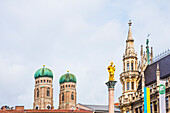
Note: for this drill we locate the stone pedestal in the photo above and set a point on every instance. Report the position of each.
(111, 85)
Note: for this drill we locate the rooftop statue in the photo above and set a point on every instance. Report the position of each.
(111, 70)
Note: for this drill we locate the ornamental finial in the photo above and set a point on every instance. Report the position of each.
(67, 71)
(43, 66)
(130, 23)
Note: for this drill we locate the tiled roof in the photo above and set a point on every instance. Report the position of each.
(99, 107)
(150, 72)
(164, 67)
(45, 111)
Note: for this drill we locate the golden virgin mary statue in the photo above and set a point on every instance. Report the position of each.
(111, 70)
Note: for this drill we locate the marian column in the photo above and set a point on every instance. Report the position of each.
(111, 84)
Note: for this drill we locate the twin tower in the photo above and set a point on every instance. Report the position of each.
(43, 92)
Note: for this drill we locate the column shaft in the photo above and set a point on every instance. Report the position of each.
(111, 100)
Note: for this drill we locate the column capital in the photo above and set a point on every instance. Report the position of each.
(111, 84)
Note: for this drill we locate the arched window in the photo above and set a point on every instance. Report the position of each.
(132, 86)
(132, 65)
(127, 85)
(41, 81)
(127, 66)
(37, 92)
(48, 92)
(44, 81)
(36, 107)
(72, 96)
(62, 96)
(47, 81)
(48, 107)
(66, 85)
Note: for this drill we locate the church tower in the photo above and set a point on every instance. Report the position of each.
(130, 76)
(43, 92)
(68, 94)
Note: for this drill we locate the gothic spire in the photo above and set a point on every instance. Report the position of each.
(129, 41)
(129, 32)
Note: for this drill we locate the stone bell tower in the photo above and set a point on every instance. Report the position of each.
(68, 94)
(130, 76)
(43, 92)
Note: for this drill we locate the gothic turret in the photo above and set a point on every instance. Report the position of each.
(130, 75)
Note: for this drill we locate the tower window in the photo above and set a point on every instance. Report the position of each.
(38, 81)
(131, 65)
(47, 81)
(41, 81)
(66, 85)
(44, 81)
(36, 107)
(127, 85)
(72, 96)
(62, 96)
(48, 107)
(167, 102)
(140, 108)
(48, 92)
(132, 85)
(127, 66)
(37, 92)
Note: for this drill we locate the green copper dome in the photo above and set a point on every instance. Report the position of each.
(68, 77)
(43, 72)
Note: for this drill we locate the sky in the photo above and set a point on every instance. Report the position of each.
(82, 36)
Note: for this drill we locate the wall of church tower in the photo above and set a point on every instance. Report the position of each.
(68, 95)
(43, 93)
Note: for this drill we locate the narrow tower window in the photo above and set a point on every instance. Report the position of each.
(132, 85)
(48, 92)
(72, 96)
(62, 96)
(132, 65)
(127, 85)
(37, 92)
(127, 66)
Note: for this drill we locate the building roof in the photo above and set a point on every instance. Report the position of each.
(45, 111)
(164, 67)
(150, 71)
(98, 107)
(43, 72)
(68, 77)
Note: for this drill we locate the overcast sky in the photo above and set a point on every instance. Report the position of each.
(82, 36)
